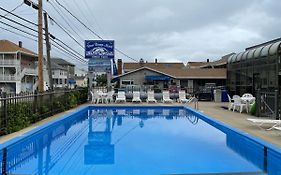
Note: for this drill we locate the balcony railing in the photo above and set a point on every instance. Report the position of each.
(9, 62)
(30, 71)
(7, 78)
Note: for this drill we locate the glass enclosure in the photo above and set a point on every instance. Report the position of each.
(256, 68)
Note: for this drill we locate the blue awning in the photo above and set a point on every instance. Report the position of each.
(71, 81)
(157, 78)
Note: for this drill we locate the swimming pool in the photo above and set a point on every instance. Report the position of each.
(138, 140)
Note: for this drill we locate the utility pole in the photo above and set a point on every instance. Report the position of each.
(40, 47)
(48, 48)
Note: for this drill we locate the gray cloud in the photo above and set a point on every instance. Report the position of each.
(177, 30)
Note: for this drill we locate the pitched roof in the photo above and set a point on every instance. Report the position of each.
(192, 73)
(55, 66)
(10, 47)
(133, 66)
(61, 61)
(195, 73)
(219, 62)
(196, 64)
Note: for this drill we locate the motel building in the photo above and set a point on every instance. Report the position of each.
(18, 68)
(171, 76)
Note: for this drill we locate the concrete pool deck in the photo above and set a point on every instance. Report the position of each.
(217, 111)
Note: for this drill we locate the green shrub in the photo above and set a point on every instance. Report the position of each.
(22, 114)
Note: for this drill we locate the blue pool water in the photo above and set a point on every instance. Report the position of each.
(137, 140)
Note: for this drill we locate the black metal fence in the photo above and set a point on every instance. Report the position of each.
(18, 111)
(268, 104)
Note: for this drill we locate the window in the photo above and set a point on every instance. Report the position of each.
(127, 82)
(60, 81)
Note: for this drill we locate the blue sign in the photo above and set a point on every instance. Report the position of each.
(99, 65)
(99, 49)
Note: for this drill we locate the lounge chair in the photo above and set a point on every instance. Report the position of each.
(277, 128)
(136, 97)
(166, 97)
(182, 97)
(260, 122)
(150, 97)
(120, 97)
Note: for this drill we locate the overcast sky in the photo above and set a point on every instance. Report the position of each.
(170, 30)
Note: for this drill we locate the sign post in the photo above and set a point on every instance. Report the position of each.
(100, 54)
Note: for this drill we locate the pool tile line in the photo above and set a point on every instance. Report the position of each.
(226, 173)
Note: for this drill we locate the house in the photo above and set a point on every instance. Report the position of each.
(59, 75)
(18, 68)
(163, 75)
(66, 65)
(81, 81)
(69, 67)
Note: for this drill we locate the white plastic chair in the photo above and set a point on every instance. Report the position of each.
(230, 103)
(95, 97)
(238, 104)
(166, 97)
(120, 97)
(247, 95)
(109, 97)
(136, 97)
(92, 97)
(150, 97)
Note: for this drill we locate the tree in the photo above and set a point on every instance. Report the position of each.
(101, 80)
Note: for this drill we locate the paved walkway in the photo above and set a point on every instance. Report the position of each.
(212, 109)
(237, 120)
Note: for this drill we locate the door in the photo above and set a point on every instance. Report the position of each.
(256, 82)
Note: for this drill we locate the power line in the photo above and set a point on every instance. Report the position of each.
(66, 47)
(79, 58)
(18, 23)
(78, 20)
(94, 18)
(35, 40)
(67, 53)
(18, 29)
(97, 35)
(64, 19)
(66, 32)
(8, 30)
(10, 12)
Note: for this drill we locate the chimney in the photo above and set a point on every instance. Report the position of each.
(156, 60)
(208, 60)
(120, 66)
(20, 44)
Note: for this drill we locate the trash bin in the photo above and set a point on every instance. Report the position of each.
(224, 97)
(217, 95)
